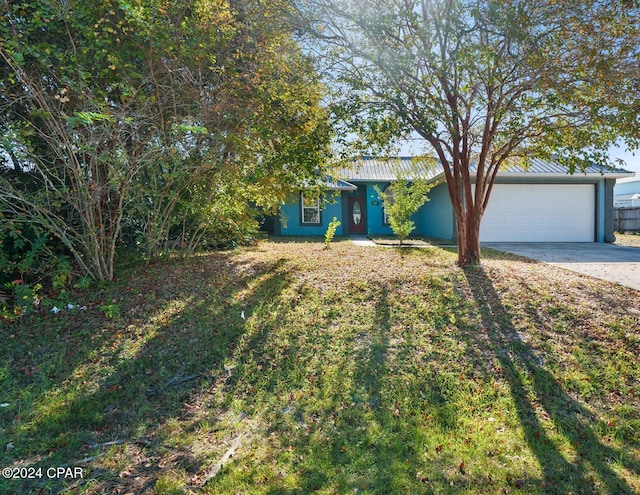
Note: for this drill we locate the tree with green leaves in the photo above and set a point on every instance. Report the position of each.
(155, 122)
(401, 200)
(483, 83)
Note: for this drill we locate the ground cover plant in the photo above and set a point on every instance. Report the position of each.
(287, 368)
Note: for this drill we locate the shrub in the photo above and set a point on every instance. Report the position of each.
(402, 200)
(331, 232)
(30, 260)
(26, 298)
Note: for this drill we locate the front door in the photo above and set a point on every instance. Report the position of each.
(356, 216)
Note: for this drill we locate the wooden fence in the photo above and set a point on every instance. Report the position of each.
(626, 219)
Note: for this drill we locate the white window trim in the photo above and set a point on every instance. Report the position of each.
(315, 206)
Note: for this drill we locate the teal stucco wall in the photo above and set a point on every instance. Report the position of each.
(435, 218)
(375, 212)
(290, 217)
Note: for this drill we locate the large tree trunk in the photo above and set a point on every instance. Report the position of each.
(468, 231)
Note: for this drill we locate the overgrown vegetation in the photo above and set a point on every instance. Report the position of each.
(349, 370)
(158, 127)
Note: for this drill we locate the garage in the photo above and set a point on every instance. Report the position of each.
(540, 213)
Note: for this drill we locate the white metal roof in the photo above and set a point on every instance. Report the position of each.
(369, 169)
(543, 168)
(330, 183)
(334, 184)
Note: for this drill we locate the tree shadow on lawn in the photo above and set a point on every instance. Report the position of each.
(586, 287)
(543, 405)
(343, 412)
(195, 325)
(362, 439)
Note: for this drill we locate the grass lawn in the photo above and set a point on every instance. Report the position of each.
(286, 368)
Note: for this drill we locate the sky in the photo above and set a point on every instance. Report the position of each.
(632, 163)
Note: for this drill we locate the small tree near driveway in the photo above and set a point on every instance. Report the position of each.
(401, 200)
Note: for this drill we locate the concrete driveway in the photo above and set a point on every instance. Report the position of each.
(619, 264)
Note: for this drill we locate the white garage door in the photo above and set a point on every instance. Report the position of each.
(540, 213)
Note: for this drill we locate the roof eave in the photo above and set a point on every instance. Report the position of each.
(540, 175)
(338, 188)
(341, 185)
(437, 178)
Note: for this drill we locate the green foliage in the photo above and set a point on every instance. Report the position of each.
(27, 264)
(483, 83)
(331, 232)
(110, 310)
(33, 270)
(61, 274)
(24, 250)
(25, 299)
(82, 283)
(401, 201)
(163, 125)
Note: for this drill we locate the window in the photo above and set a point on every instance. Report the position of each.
(310, 210)
(356, 212)
(388, 194)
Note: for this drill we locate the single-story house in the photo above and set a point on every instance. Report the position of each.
(627, 194)
(542, 203)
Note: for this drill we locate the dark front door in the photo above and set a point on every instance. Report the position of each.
(356, 216)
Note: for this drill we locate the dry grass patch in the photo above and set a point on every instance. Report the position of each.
(632, 240)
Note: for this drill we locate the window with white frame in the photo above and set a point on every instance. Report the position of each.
(310, 210)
